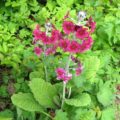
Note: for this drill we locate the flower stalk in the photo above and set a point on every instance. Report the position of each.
(64, 82)
(44, 47)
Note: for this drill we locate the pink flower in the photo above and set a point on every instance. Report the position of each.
(42, 36)
(91, 24)
(55, 36)
(73, 47)
(53, 40)
(64, 43)
(38, 51)
(62, 75)
(68, 27)
(36, 34)
(82, 33)
(67, 78)
(56, 33)
(79, 70)
(46, 40)
(51, 50)
(86, 44)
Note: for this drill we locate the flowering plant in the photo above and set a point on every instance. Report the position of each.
(76, 39)
(52, 97)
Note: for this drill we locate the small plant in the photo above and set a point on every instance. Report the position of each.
(76, 39)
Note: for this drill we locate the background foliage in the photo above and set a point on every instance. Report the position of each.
(18, 63)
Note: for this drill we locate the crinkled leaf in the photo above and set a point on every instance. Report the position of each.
(108, 114)
(43, 92)
(79, 101)
(60, 115)
(84, 114)
(37, 74)
(6, 115)
(92, 65)
(26, 102)
(105, 95)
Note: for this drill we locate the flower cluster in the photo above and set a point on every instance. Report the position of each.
(82, 40)
(78, 40)
(50, 40)
(63, 75)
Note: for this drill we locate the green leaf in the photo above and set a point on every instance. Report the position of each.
(108, 114)
(5, 48)
(60, 115)
(90, 69)
(105, 95)
(109, 29)
(84, 114)
(37, 74)
(5, 118)
(51, 5)
(43, 92)
(26, 102)
(79, 101)
(6, 115)
(92, 65)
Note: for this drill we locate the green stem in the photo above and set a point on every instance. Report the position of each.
(45, 67)
(68, 64)
(64, 84)
(69, 92)
(47, 115)
(46, 74)
(63, 97)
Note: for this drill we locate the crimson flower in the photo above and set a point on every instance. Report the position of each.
(62, 75)
(38, 51)
(91, 24)
(82, 33)
(73, 47)
(50, 50)
(64, 43)
(79, 70)
(86, 44)
(36, 34)
(68, 27)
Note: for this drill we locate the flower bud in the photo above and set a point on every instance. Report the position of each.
(81, 15)
(48, 26)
